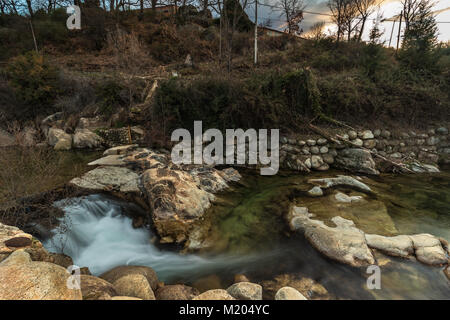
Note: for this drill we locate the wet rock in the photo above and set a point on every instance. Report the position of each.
(93, 288)
(442, 131)
(340, 180)
(418, 167)
(315, 192)
(109, 179)
(86, 139)
(134, 285)
(245, 291)
(356, 160)
(118, 272)
(176, 292)
(344, 243)
(217, 294)
(289, 293)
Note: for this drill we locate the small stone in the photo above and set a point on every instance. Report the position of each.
(315, 192)
(245, 291)
(358, 142)
(288, 293)
(328, 158)
(442, 131)
(19, 240)
(316, 161)
(301, 143)
(352, 135)
(311, 142)
(432, 141)
(323, 149)
(385, 134)
(370, 144)
(314, 150)
(240, 278)
(366, 134)
(321, 141)
(376, 133)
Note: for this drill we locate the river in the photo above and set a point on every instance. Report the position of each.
(249, 235)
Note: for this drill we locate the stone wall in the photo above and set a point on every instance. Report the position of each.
(317, 153)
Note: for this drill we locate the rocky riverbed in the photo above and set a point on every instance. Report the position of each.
(314, 234)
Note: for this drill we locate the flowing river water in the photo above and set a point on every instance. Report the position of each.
(248, 234)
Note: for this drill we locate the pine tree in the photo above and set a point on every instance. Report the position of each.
(420, 40)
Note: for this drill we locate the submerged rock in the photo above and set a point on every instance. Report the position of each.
(342, 197)
(341, 180)
(307, 287)
(356, 160)
(289, 293)
(315, 192)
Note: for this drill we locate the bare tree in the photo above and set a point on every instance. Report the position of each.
(410, 11)
(337, 11)
(316, 31)
(292, 10)
(365, 9)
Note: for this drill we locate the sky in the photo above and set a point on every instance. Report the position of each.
(387, 8)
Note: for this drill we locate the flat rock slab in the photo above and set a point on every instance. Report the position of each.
(344, 243)
(120, 149)
(111, 160)
(109, 178)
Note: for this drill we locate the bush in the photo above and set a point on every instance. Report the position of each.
(34, 81)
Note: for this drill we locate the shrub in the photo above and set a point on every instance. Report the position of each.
(35, 82)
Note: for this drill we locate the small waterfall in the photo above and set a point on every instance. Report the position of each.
(96, 234)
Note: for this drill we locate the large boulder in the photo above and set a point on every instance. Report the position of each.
(356, 160)
(109, 178)
(176, 292)
(216, 294)
(245, 291)
(134, 285)
(121, 271)
(344, 243)
(58, 139)
(23, 279)
(93, 288)
(86, 139)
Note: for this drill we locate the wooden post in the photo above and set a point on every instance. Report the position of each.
(129, 135)
(399, 30)
(256, 32)
(34, 37)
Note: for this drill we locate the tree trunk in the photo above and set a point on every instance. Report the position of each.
(30, 8)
